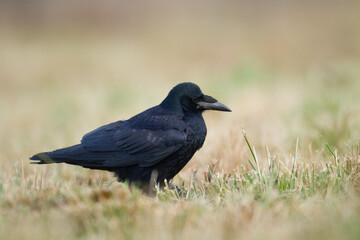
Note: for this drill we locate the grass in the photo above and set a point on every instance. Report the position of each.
(294, 200)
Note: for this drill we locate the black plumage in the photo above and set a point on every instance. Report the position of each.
(163, 138)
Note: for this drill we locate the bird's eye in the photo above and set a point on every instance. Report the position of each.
(194, 99)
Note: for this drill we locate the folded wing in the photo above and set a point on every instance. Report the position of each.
(129, 146)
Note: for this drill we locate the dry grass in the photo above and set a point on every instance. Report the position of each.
(296, 98)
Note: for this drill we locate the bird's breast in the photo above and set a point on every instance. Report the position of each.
(196, 130)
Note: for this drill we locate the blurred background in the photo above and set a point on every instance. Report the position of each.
(287, 69)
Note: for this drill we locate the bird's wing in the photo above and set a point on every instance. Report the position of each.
(131, 146)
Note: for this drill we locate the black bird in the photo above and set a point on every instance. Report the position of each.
(161, 139)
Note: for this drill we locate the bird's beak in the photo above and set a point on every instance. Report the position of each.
(210, 103)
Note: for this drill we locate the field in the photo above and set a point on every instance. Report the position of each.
(285, 164)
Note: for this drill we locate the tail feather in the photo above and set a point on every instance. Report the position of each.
(43, 158)
(59, 155)
(76, 155)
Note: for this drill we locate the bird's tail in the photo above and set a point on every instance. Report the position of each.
(76, 155)
(57, 156)
(44, 158)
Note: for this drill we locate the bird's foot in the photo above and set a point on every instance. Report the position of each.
(180, 192)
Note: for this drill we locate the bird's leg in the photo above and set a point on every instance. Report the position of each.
(148, 189)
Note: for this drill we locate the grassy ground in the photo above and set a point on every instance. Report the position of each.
(285, 164)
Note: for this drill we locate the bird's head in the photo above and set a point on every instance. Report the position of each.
(188, 97)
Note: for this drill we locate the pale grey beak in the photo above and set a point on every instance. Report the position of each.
(210, 103)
